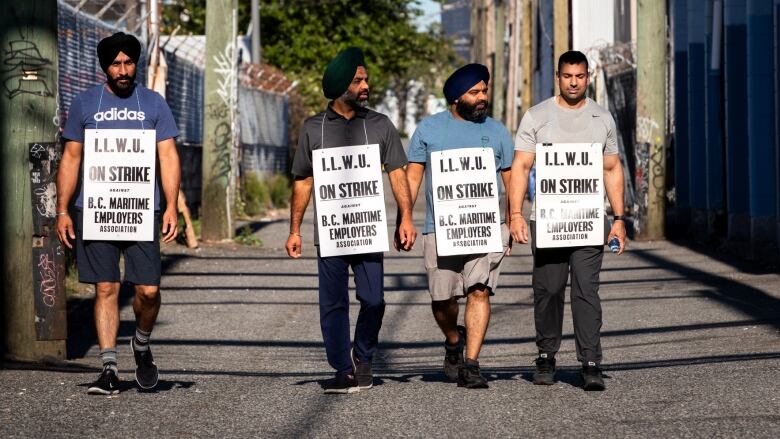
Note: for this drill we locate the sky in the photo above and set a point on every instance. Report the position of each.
(431, 13)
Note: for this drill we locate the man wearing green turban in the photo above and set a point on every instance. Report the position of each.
(346, 122)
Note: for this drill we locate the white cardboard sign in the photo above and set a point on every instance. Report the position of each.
(569, 194)
(119, 178)
(350, 200)
(465, 201)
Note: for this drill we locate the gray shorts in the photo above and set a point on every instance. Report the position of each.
(454, 276)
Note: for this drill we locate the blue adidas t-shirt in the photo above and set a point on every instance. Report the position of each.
(441, 132)
(98, 107)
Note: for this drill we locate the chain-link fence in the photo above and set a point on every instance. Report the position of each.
(81, 25)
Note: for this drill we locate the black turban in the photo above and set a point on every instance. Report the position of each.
(463, 79)
(340, 72)
(108, 48)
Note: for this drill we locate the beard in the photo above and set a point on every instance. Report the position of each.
(470, 112)
(355, 100)
(120, 88)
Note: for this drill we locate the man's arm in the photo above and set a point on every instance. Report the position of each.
(518, 185)
(414, 173)
(613, 183)
(506, 179)
(67, 179)
(298, 203)
(406, 234)
(170, 176)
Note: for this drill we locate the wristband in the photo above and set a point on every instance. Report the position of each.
(617, 218)
(62, 213)
(296, 234)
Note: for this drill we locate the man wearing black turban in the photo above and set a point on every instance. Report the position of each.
(347, 122)
(464, 124)
(120, 104)
(122, 75)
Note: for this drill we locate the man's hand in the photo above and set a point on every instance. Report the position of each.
(170, 224)
(65, 229)
(518, 229)
(405, 235)
(294, 245)
(618, 231)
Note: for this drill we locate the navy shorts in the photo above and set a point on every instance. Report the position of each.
(98, 261)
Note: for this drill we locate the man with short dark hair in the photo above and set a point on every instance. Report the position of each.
(570, 117)
(123, 104)
(473, 275)
(347, 122)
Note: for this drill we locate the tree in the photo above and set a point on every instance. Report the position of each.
(300, 37)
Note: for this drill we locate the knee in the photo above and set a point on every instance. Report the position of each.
(106, 290)
(480, 294)
(147, 293)
(375, 303)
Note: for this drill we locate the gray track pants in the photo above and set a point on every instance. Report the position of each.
(550, 273)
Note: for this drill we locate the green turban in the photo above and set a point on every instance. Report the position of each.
(340, 72)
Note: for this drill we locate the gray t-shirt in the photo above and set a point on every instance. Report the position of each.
(367, 127)
(548, 122)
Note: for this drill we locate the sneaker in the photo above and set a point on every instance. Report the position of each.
(145, 370)
(106, 384)
(545, 370)
(453, 355)
(343, 383)
(470, 377)
(363, 373)
(591, 374)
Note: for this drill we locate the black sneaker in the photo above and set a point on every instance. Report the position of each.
(343, 383)
(545, 370)
(470, 377)
(106, 384)
(453, 355)
(363, 373)
(145, 370)
(591, 374)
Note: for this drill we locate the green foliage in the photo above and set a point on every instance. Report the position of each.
(246, 237)
(300, 37)
(280, 189)
(255, 194)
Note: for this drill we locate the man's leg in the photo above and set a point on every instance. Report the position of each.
(586, 313)
(143, 269)
(477, 318)
(106, 313)
(369, 286)
(445, 312)
(334, 311)
(550, 273)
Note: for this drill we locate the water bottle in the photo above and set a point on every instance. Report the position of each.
(614, 245)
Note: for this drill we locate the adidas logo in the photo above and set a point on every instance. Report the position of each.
(123, 114)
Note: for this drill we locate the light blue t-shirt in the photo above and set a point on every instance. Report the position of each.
(97, 107)
(441, 132)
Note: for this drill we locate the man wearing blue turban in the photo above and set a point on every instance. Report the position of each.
(464, 124)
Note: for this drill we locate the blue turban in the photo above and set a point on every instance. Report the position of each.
(463, 79)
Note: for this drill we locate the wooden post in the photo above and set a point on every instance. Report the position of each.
(527, 56)
(560, 33)
(28, 127)
(651, 114)
(219, 117)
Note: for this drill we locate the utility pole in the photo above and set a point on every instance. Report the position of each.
(256, 50)
(513, 54)
(560, 33)
(651, 116)
(527, 55)
(499, 76)
(28, 129)
(219, 120)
